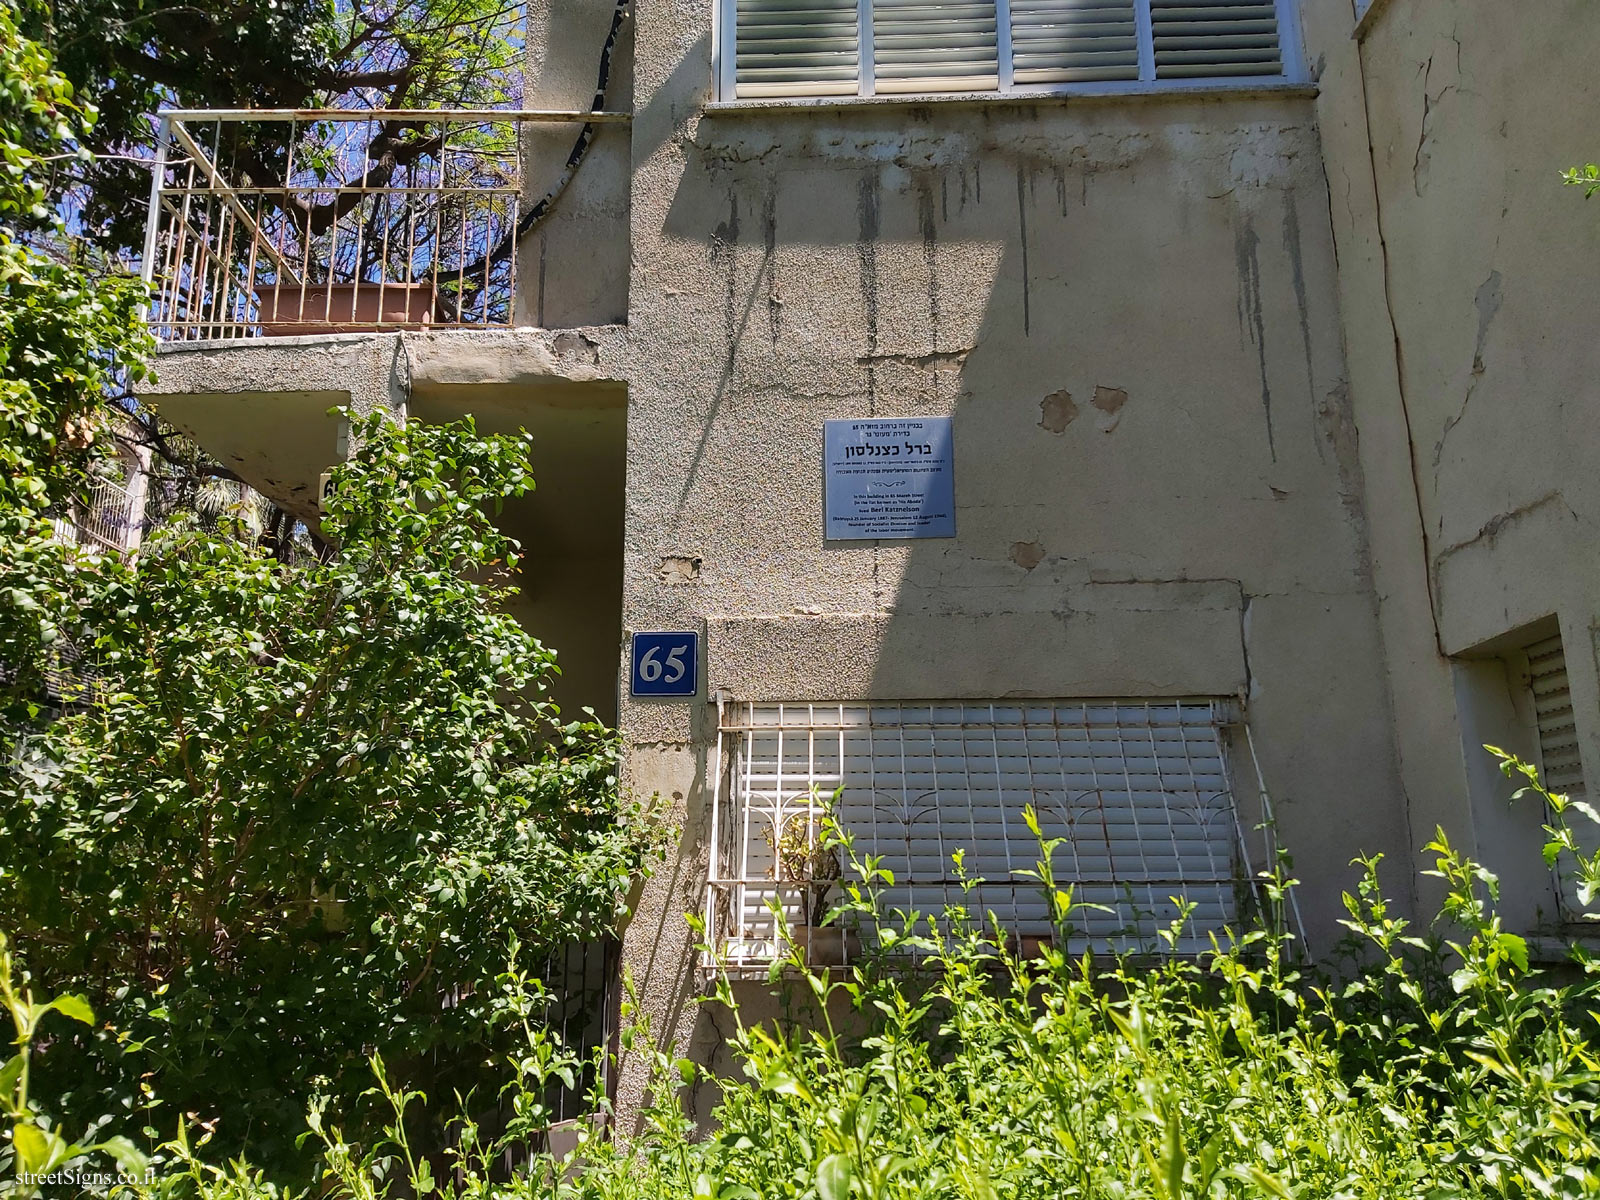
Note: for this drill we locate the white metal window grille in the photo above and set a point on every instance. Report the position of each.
(819, 48)
(1560, 767)
(1140, 792)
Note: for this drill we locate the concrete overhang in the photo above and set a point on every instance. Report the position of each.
(261, 405)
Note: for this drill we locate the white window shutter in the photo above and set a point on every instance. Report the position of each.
(1560, 767)
(1071, 41)
(1215, 39)
(919, 46)
(796, 48)
(1552, 702)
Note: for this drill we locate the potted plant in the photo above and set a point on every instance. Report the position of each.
(289, 308)
(807, 855)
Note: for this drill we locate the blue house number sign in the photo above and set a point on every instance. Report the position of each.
(666, 664)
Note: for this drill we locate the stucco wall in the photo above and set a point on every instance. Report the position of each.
(1474, 367)
(572, 265)
(1474, 110)
(1128, 308)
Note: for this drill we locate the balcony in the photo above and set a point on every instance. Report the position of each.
(305, 261)
(108, 517)
(269, 224)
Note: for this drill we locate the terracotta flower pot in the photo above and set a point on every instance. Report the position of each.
(826, 945)
(296, 309)
(1029, 945)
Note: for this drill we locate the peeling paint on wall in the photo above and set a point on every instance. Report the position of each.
(679, 568)
(1109, 401)
(1027, 555)
(1487, 301)
(1056, 411)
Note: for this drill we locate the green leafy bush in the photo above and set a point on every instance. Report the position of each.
(1443, 1067)
(300, 812)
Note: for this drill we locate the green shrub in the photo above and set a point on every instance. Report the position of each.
(1440, 1068)
(296, 807)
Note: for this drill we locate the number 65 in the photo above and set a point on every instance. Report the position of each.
(651, 667)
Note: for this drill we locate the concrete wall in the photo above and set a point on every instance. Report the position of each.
(572, 267)
(1474, 366)
(1129, 308)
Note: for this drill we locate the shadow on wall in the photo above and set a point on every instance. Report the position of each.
(1131, 317)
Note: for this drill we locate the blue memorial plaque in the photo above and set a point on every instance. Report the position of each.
(887, 477)
(666, 664)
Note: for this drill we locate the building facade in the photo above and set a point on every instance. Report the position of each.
(1212, 472)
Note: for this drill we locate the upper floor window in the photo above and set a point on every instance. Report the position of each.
(813, 48)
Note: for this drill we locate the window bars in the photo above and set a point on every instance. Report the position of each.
(105, 519)
(1138, 791)
(817, 48)
(282, 222)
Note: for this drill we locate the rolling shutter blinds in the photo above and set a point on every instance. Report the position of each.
(1138, 791)
(1215, 39)
(923, 47)
(1560, 767)
(796, 48)
(799, 48)
(1062, 41)
(1552, 704)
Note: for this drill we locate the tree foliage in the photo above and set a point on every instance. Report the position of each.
(64, 334)
(1443, 1065)
(299, 807)
(279, 814)
(137, 56)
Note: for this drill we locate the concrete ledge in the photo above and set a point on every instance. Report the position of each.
(514, 357)
(443, 358)
(1156, 640)
(1499, 579)
(1135, 94)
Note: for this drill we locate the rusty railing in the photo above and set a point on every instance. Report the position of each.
(267, 223)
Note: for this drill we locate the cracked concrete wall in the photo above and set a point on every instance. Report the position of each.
(1475, 108)
(572, 266)
(1129, 309)
(1472, 354)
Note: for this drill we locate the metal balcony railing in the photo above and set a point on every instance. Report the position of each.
(268, 223)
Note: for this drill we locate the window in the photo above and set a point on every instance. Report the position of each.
(815, 48)
(1139, 791)
(1560, 768)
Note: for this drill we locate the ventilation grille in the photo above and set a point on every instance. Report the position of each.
(1552, 705)
(802, 48)
(1068, 41)
(922, 47)
(1215, 39)
(1560, 768)
(796, 48)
